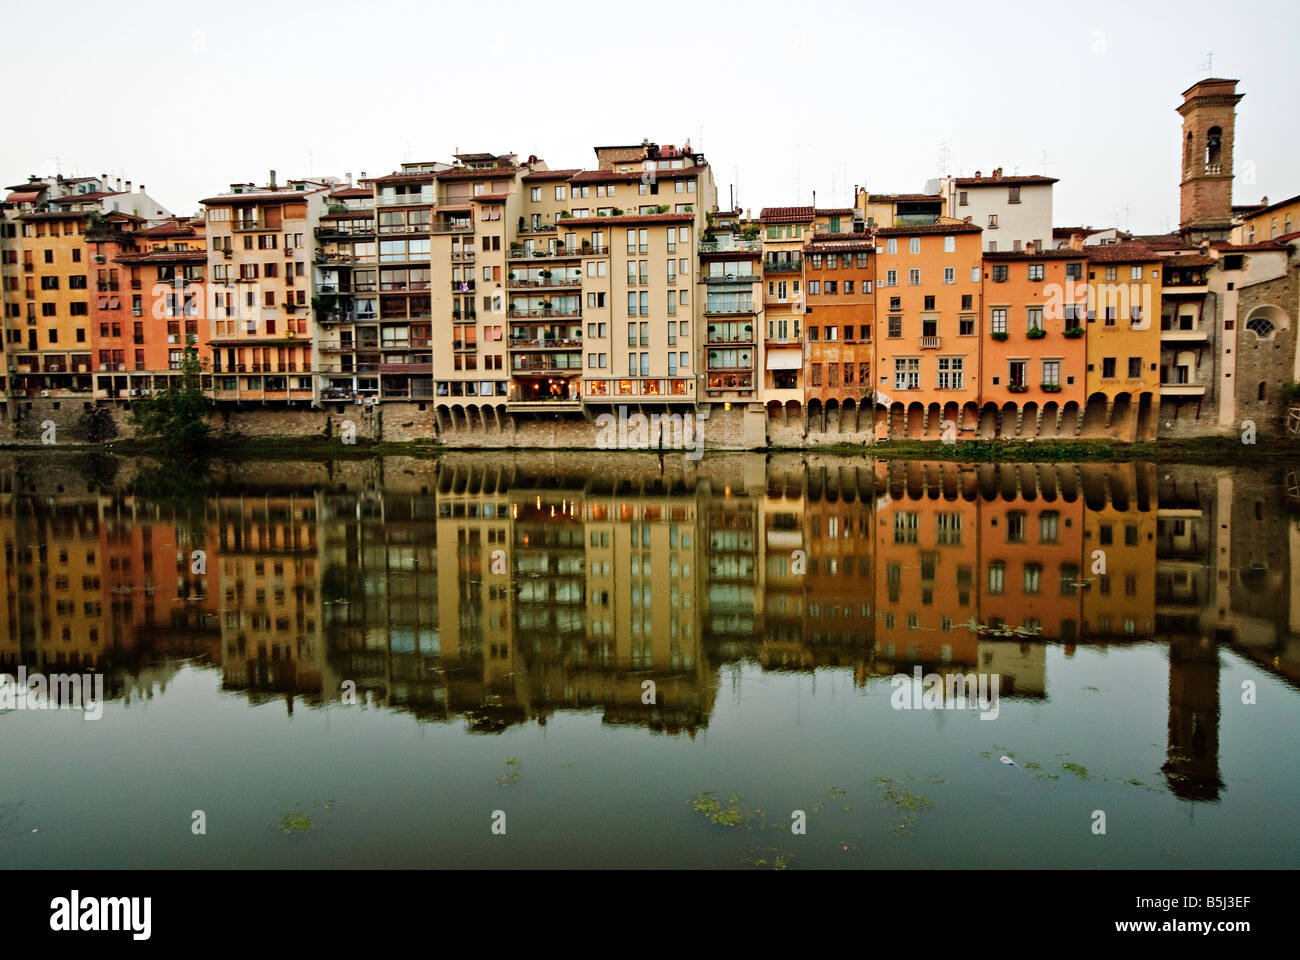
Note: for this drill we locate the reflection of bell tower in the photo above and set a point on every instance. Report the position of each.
(1209, 112)
(1192, 770)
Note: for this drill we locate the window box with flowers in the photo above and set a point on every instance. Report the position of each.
(1074, 333)
(999, 335)
(1036, 333)
(1051, 387)
(1018, 388)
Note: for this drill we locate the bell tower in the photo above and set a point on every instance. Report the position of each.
(1209, 111)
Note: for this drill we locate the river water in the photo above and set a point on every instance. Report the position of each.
(590, 660)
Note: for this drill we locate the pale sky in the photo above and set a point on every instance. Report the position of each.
(782, 98)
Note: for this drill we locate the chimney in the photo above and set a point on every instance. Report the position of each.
(272, 179)
(349, 176)
(1076, 241)
(967, 220)
(977, 174)
(1030, 248)
(142, 188)
(128, 186)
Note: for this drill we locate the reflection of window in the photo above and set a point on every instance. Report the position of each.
(1033, 577)
(997, 577)
(1016, 526)
(906, 526)
(1048, 526)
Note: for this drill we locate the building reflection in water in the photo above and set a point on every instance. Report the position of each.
(496, 590)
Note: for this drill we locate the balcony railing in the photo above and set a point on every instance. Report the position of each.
(929, 343)
(544, 312)
(547, 282)
(405, 200)
(536, 363)
(452, 226)
(732, 246)
(782, 266)
(238, 225)
(535, 343)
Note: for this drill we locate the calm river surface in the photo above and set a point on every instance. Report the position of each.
(625, 661)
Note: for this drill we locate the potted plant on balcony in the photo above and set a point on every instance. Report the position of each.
(999, 335)
(1051, 387)
(1018, 388)
(661, 208)
(565, 215)
(545, 274)
(1036, 333)
(1074, 333)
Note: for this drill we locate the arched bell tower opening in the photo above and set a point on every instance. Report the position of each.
(1209, 111)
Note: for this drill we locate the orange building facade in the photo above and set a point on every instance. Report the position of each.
(927, 341)
(1035, 352)
(839, 271)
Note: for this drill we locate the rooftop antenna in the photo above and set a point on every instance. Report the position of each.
(1208, 65)
(945, 158)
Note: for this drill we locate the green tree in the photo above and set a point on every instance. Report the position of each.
(176, 419)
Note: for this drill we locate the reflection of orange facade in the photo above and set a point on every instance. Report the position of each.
(1034, 347)
(926, 554)
(1030, 554)
(1120, 538)
(840, 274)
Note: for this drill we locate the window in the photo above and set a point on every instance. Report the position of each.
(1260, 326)
(559, 192)
(1134, 368)
(1033, 578)
(891, 278)
(891, 245)
(1049, 522)
(998, 320)
(949, 244)
(1108, 368)
(914, 277)
(1016, 526)
(949, 275)
(907, 373)
(1035, 318)
(1074, 271)
(1135, 273)
(993, 221)
(962, 198)
(997, 577)
(950, 373)
(914, 245)
(1052, 372)
(895, 327)
(1035, 271)
(999, 273)
(1016, 370)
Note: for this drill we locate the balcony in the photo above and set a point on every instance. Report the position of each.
(462, 286)
(451, 226)
(405, 199)
(327, 232)
(929, 343)
(538, 312)
(586, 250)
(462, 256)
(732, 278)
(1179, 335)
(245, 225)
(545, 343)
(541, 363)
(728, 309)
(545, 283)
(731, 246)
(782, 266)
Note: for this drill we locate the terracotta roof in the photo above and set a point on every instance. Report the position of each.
(1189, 260)
(928, 228)
(401, 176)
(839, 242)
(1274, 206)
(352, 192)
(904, 198)
(613, 176)
(491, 198)
(1003, 181)
(23, 196)
(1132, 252)
(833, 211)
(470, 173)
(168, 228)
(54, 215)
(79, 197)
(1162, 241)
(786, 215)
(544, 175)
(260, 196)
(1065, 233)
(163, 256)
